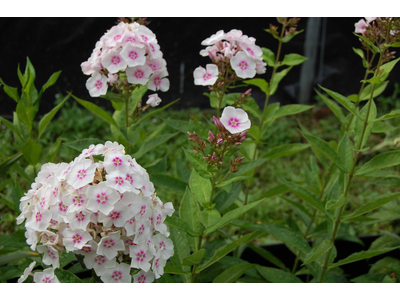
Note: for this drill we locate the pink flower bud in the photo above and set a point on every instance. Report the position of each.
(220, 141)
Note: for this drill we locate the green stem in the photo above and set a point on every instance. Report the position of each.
(351, 175)
(193, 275)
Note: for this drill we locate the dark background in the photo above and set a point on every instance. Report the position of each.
(54, 44)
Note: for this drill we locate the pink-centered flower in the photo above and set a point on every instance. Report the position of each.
(47, 276)
(101, 198)
(158, 81)
(243, 65)
(360, 26)
(134, 56)
(114, 62)
(81, 174)
(138, 74)
(206, 76)
(118, 274)
(97, 85)
(110, 245)
(235, 120)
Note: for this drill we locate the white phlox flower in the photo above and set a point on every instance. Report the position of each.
(235, 120)
(106, 211)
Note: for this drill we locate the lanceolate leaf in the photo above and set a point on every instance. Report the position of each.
(233, 273)
(293, 59)
(362, 255)
(268, 256)
(79, 145)
(153, 143)
(278, 77)
(378, 89)
(344, 101)
(209, 217)
(180, 224)
(48, 117)
(194, 258)
(226, 249)
(66, 276)
(326, 149)
(338, 112)
(380, 161)
(371, 205)
(188, 211)
(201, 188)
(6, 164)
(198, 163)
(318, 251)
(285, 150)
(31, 151)
(277, 276)
(259, 82)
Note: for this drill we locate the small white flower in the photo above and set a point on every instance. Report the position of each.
(47, 276)
(235, 120)
(97, 84)
(243, 65)
(118, 274)
(206, 76)
(27, 272)
(153, 100)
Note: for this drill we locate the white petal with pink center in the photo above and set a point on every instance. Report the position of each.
(143, 277)
(140, 256)
(99, 263)
(74, 201)
(114, 62)
(243, 65)
(118, 274)
(118, 216)
(157, 81)
(360, 26)
(141, 208)
(206, 76)
(158, 266)
(154, 50)
(40, 218)
(163, 245)
(31, 237)
(78, 219)
(114, 35)
(50, 256)
(214, 38)
(47, 276)
(101, 198)
(142, 231)
(116, 161)
(97, 84)
(110, 245)
(235, 120)
(118, 181)
(158, 221)
(81, 174)
(138, 74)
(156, 65)
(75, 239)
(133, 56)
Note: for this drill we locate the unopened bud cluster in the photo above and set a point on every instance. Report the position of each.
(290, 26)
(232, 129)
(381, 32)
(106, 211)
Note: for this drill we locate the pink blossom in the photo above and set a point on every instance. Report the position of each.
(97, 85)
(243, 65)
(134, 56)
(360, 26)
(153, 100)
(138, 74)
(157, 81)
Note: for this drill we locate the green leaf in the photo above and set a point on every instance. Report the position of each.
(231, 197)
(344, 101)
(259, 82)
(201, 188)
(381, 127)
(12, 92)
(96, 110)
(284, 150)
(288, 37)
(359, 131)
(180, 224)
(226, 249)
(153, 143)
(154, 112)
(337, 111)
(385, 69)
(48, 117)
(6, 164)
(304, 194)
(378, 89)
(243, 169)
(345, 151)
(371, 205)
(188, 211)
(277, 276)
(326, 149)
(360, 53)
(12, 241)
(318, 251)
(233, 273)
(198, 163)
(194, 258)
(26, 114)
(293, 59)
(66, 276)
(287, 236)
(113, 97)
(181, 250)
(181, 126)
(31, 151)
(362, 255)
(51, 81)
(168, 182)
(209, 217)
(82, 144)
(373, 47)
(252, 107)
(333, 204)
(268, 256)
(393, 114)
(268, 57)
(11, 126)
(380, 161)
(277, 78)
(374, 80)
(169, 269)
(291, 109)
(232, 215)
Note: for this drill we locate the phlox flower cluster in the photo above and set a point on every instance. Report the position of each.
(106, 211)
(127, 51)
(230, 51)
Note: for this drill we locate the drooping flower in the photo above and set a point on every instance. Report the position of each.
(27, 272)
(153, 100)
(360, 26)
(235, 120)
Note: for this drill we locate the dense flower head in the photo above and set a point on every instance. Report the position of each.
(130, 49)
(231, 52)
(107, 211)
